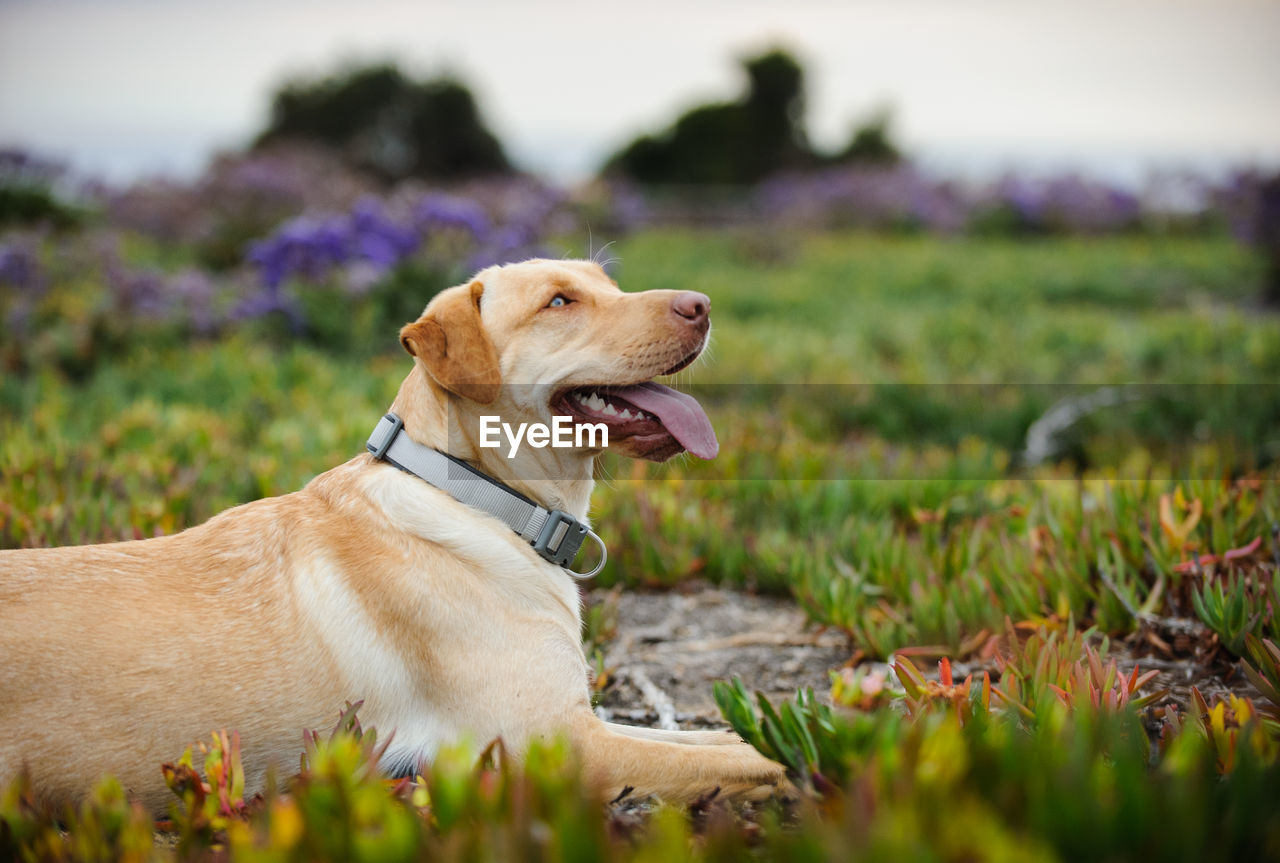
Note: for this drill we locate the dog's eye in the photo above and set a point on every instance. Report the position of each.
(559, 300)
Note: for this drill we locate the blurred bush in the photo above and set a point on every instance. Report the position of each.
(872, 142)
(239, 198)
(388, 124)
(1267, 236)
(732, 142)
(285, 243)
(29, 193)
(756, 136)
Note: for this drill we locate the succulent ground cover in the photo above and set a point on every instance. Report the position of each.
(982, 625)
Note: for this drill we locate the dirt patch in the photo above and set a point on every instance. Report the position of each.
(670, 647)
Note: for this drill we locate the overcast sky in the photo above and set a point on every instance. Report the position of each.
(125, 87)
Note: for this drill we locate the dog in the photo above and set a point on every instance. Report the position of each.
(372, 583)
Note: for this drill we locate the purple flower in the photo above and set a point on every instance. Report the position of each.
(304, 247)
(312, 248)
(378, 240)
(23, 283)
(1024, 198)
(1067, 202)
(142, 292)
(1240, 201)
(898, 196)
(376, 236)
(20, 269)
(268, 302)
(194, 292)
(447, 211)
(512, 243)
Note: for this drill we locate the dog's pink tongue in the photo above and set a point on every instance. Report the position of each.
(679, 413)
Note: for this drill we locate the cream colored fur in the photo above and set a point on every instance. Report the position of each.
(366, 584)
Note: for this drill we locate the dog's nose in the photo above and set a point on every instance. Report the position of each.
(692, 306)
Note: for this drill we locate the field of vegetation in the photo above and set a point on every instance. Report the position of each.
(876, 397)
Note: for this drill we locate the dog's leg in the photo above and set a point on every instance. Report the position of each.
(675, 772)
(687, 738)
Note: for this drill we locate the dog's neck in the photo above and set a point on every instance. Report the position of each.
(554, 478)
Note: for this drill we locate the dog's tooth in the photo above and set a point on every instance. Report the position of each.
(626, 414)
(595, 402)
(610, 411)
(582, 399)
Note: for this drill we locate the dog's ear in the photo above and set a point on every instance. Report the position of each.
(451, 343)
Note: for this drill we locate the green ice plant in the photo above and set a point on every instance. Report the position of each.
(990, 787)
(803, 734)
(206, 805)
(1231, 608)
(1028, 669)
(1233, 727)
(106, 826)
(1262, 667)
(1103, 688)
(1082, 786)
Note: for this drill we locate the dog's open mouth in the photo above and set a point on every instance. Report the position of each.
(651, 420)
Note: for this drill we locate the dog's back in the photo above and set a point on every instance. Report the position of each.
(93, 638)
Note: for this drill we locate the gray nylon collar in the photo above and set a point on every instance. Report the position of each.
(554, 534)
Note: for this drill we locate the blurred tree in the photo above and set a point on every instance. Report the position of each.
(1267, 237)
(28, 192)
(872, 142)
(775, 113)
(388, 124)
(729, 142)
(35, 205)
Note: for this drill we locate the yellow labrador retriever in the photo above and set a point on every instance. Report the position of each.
(449, 619)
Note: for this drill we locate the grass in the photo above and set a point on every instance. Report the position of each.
(872, 395)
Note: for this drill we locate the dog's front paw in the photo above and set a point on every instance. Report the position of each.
(764, 779)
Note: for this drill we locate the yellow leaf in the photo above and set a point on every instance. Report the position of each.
(1217, 718)
(1179, 531)
(286, 825)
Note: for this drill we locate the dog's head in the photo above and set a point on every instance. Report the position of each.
(533, 341)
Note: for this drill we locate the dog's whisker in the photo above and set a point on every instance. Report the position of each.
(607, 262)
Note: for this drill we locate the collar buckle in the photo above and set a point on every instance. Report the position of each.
(560, 539)
(380, 448)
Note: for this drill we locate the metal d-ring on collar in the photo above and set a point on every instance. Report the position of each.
(554, 534)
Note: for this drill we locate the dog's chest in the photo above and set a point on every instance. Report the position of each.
(455, 653)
